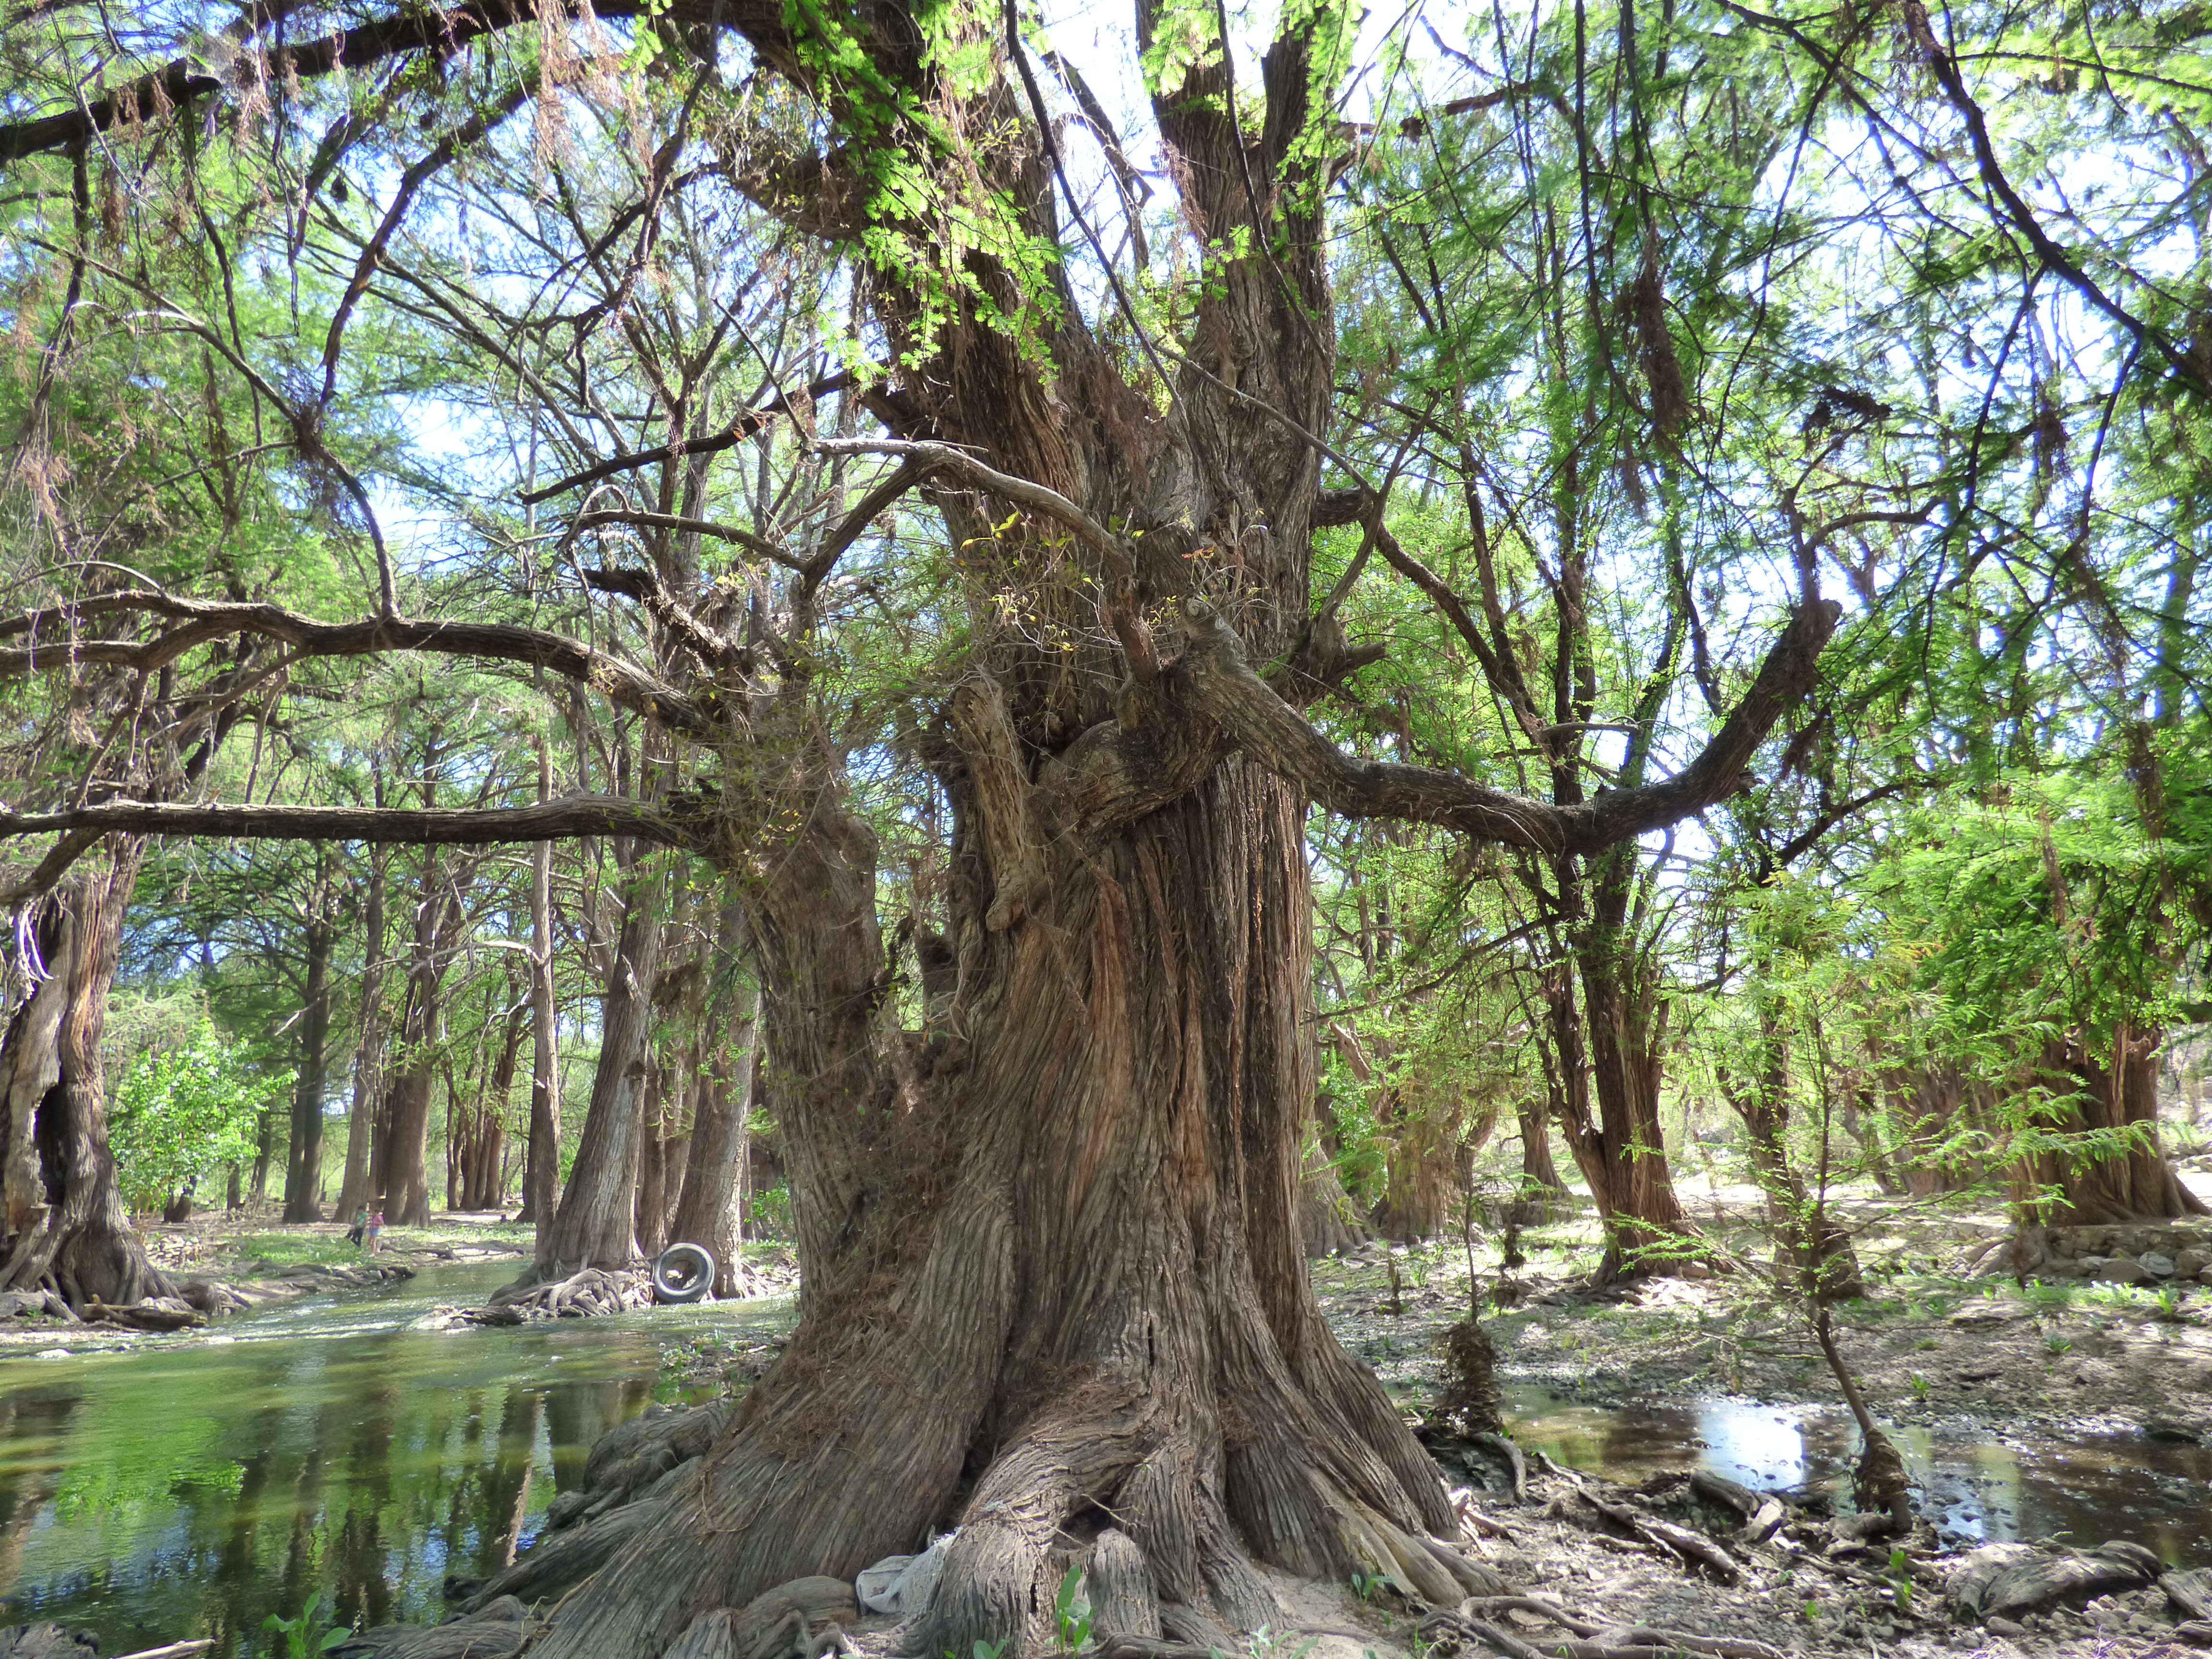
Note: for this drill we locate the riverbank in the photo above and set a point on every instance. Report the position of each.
(225, 1265)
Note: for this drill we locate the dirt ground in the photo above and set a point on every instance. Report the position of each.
(1930, 1343)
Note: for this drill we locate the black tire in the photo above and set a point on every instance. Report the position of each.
(684, 1273)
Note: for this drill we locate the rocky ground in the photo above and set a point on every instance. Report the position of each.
(1940, 1334)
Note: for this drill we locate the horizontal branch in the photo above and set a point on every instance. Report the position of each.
(568, 818)
(200, 622)
(1263, 725)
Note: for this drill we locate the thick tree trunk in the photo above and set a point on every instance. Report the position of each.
(67, 1225)
(541, 1179)
(1328, 1222)
(595, 1224)
(707, 1204)
(1136, 1334)
(2110, 1088)
(304, 1169)
(1429, 1167)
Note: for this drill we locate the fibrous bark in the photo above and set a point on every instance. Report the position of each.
(2116, 1088)
(67, 1229)
(594, 1224)
(707, 1205)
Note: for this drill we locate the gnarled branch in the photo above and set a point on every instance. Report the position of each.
(1260, 723)
(202, 621)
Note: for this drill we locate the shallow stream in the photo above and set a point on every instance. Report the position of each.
(195, 1487)
(1975, 1483)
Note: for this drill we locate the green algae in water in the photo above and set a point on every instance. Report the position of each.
(194, 1488)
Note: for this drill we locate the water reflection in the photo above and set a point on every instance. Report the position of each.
(194, 1490)
(2090, 1488)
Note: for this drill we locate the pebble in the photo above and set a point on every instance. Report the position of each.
(2005, 1628)
(51, 1354)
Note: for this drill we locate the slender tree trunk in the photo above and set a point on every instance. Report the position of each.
(265, 1153)
(405, 1188)
(1538, 1173)
(707, 1205)
(541, 1180)
(68, 1226)
(1807, 1240)
(368, 1059)
(304, 1170)
(594, 1223)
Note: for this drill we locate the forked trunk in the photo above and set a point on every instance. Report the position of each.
(1610, 1087)
(68, 1227)
(1135, 1336)
(2111, 1088)
(400, 1179)
(368, 1059)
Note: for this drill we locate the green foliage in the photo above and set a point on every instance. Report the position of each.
(189, 1110)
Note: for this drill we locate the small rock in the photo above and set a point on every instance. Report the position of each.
(2005, 1628)
(2157, 1265)
(2197, 1632)
(2187, 1264)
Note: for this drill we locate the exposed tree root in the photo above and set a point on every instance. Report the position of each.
(1588, 1639)
(167, 1313)
(566, 1296)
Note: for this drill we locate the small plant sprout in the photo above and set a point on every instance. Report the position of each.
(1074, 1617)
(307, 1636)
(1900, 1580)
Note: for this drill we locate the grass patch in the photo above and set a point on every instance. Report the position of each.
(290, 1249)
